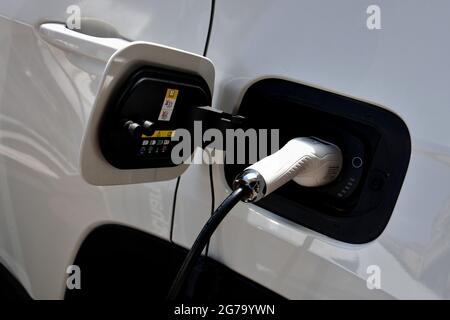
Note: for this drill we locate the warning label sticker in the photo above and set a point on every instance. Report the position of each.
(160, 134)
(168, 105)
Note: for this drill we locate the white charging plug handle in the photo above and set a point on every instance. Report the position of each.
(308, 161)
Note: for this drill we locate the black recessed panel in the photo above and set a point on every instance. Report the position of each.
(141, 98)
(376, 149)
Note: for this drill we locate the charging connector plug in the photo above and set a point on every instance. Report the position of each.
(310, 162)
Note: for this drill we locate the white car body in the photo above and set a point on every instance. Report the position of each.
(47, 92)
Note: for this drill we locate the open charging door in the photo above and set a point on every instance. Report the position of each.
(147, 92)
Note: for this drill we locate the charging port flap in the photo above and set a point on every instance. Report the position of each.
(146, 93)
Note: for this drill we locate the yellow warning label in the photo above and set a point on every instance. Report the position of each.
(161, 134)
(168, 105)
(172, 93)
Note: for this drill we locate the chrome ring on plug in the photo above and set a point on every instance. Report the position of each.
(252, 181)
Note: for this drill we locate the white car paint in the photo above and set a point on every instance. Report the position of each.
(403, 67)
(46, 95)
(79, 43)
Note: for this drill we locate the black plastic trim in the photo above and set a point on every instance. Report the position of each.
(10, 287)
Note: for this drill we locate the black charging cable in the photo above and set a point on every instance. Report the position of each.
(203, 238)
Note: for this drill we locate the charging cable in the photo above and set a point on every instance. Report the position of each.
(310, 162)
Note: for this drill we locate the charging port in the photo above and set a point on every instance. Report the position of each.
(375, 145)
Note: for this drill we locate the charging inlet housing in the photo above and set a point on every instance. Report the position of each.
(165, 99)
(375, 145)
